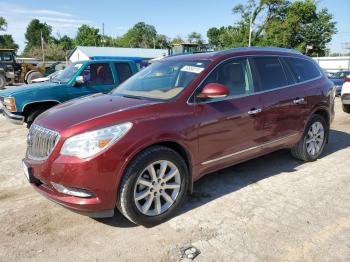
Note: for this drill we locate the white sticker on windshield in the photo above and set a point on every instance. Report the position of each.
(192, 69)
(77, 66)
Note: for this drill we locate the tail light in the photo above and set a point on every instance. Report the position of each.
(347, 79)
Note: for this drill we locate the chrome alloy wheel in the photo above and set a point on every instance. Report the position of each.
(315, 139)
(157, 188)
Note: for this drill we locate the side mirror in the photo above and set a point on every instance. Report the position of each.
(214, 90)
(79, 81)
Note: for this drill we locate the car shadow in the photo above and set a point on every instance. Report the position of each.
(234, 178)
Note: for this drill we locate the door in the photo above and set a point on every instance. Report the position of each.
(98, 78)
(229, 128)
(284, 107)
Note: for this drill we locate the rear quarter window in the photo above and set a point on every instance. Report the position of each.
(302, 69)
(123, 71)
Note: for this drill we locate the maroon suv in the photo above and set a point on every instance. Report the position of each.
(141, 147)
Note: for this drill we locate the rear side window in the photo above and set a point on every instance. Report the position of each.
(302, 69)
(123, 71)
(271, 73)
(6, 56)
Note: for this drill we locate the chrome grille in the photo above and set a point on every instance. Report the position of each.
(41, 141)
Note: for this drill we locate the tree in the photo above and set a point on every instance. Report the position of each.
(162, 42)
(54, 52)
(88, 36)
(141, 35)
(3, 24)
(6, 41)
(177, 40)
(277, 23)
(65, 41)
(195, 38)
(35, 30)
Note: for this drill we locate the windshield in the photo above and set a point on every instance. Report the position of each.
(162, 80)
(68, 73)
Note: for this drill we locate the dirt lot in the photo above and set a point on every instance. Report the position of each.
(273, 208)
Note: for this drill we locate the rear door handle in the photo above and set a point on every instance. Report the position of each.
(254, 111)
(299, 101)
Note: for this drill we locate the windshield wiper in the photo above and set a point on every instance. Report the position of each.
(133, 97)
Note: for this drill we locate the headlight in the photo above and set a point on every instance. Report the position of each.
(10, 104)
(91, 143)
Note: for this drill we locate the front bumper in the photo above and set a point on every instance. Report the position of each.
(345, 99)
(97, 175)
(15, 119)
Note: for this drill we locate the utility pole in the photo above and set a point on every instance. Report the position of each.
(103, 34)
(250, 30)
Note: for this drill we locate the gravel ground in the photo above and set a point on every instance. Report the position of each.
(273, 208)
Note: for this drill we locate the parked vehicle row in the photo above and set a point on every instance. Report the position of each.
(25, 103)
(345, 95)
(141, 147)
(338, 78)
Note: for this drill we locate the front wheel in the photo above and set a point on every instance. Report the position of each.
(153, 187)
(2, 81)
(311, 145)
(34, 113)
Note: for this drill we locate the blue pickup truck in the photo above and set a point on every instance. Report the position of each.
(23, 104)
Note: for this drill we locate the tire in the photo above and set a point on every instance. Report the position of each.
(301, 150)
(346, 108)
(34, 113)
(130, 186)
(2, 81)
(33, 75)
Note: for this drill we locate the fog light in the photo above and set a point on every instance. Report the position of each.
(78, 192)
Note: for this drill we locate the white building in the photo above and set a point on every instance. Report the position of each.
(138, 55)
(335, 63)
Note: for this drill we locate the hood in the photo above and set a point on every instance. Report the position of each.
(83, 110)
(12, 91)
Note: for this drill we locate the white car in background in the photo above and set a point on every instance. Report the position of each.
(345, 95)
(47, 78)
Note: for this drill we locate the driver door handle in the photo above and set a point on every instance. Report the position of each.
(299, 101)
(254, 111)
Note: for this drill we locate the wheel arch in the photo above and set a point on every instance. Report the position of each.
(174, 145)
(45, 103)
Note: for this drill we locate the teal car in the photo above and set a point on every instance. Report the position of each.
(23, 104)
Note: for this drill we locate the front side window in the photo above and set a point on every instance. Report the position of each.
(123, 71)
(270, 72)
(235, 75)
(97, 74)
(162, 80)
(302, 69)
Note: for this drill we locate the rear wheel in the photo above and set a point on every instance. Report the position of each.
(311, 145)
(346, 108)
(2, 81)
(153, 187)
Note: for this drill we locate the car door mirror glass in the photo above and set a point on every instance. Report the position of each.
(79, 81)
(214, 90)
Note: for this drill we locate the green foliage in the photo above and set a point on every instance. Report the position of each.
(177, 40)
(3, 24)
(33, 34)
(278, 23)
(88, 36)
(6, 41)
(53, 52)
(195, 38)
(140, 35)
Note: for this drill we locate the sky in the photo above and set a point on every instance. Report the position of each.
(172, 18)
